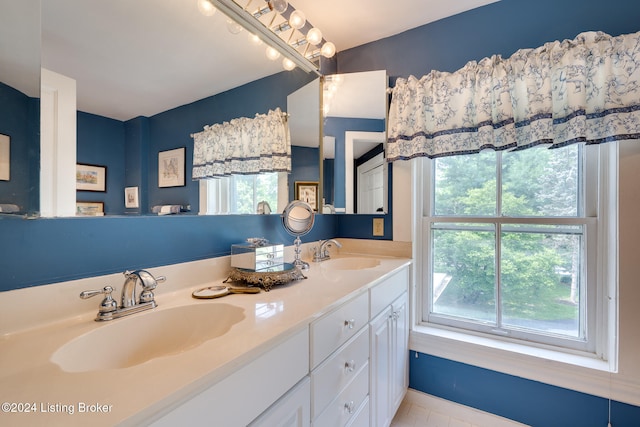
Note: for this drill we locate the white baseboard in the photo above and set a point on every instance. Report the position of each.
(456, 410)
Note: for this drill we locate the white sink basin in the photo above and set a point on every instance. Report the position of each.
(351, 263)
(130, 341)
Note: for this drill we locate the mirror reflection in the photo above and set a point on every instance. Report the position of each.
(304, 110)
(355, 173)
(144, 89)
(133, 104)
(19, 112)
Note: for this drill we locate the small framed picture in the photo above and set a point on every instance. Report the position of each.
(89, 208)
(307, 191)
(131, 197)
(91, 177)
(5, 158)
(171, 168)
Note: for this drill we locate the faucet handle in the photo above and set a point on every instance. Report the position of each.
(107, 305)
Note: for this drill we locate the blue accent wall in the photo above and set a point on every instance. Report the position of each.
(101, 141)
(73, 248)
(19, 116)
(529, 402)
(305, 163)
(447, 45)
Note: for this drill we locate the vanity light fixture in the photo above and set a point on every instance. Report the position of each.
(205, 7)
(288, 64)
(282, 28)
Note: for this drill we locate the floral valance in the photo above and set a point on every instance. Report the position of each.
(582, 90)
(243, 146)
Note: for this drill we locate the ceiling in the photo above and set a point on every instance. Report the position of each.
(142, 57)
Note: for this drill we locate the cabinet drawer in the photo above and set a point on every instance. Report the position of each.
(331, 331)
(388, 290)
(338, 370)
(361, 418)
(343, 408)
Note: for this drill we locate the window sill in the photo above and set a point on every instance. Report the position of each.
(573, 371)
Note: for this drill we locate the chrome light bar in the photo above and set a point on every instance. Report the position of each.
(246, 19)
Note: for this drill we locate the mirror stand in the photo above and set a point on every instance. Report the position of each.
(297, 219)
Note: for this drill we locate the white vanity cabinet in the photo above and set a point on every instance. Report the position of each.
(340, 364)
(242, 396)
(348, 368)
(291, 410)
(389, 357)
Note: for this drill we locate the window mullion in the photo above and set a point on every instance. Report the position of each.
(498, 282)
(498, 233)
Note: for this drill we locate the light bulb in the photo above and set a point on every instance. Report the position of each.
(314, 36)
(206, 8)
(255, 39)
(297, 19)
(272, 54)
(288, 64)
(233, 26)
(328, 50)
(279, 5)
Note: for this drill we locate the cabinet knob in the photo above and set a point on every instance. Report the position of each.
(350, 323)
(349, 407)
(350, 366)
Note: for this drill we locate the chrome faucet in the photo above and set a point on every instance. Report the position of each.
(109, 310)
(321, 253)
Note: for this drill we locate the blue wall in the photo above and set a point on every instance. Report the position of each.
(529, 402)
(446, 45)
(101, 141)
(304, 166)
(19, 115)
(73, 248)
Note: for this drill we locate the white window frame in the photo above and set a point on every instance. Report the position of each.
(216, 195)
(518, 357)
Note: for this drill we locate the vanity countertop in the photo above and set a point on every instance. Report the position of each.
(42, 394)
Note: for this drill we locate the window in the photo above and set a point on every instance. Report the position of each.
(511, 244)
(241, 194)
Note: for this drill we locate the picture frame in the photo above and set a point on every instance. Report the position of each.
(5, 158)
(171, 168)
(131, 198)
(89, 208)
(307, 191)
(91, 177)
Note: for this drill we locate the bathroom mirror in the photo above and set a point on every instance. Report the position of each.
(303, 106)
(354, 131)
(19, 112)
(297, 219)
(109, 65)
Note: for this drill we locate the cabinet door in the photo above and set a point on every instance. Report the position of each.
(381, 339)
(400, 351)
(292, 410)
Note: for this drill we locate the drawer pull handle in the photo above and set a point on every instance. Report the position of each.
(350, 323)
(350, 366)
(349, 407)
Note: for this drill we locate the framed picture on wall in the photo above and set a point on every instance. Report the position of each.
(171, 168)
(307, 191)
(5, 158)
(89, 208)
(131, 197)
(91, 177)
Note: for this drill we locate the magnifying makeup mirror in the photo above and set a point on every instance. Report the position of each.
(297, 219)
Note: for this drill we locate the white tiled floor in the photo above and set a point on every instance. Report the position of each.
(413, 415)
